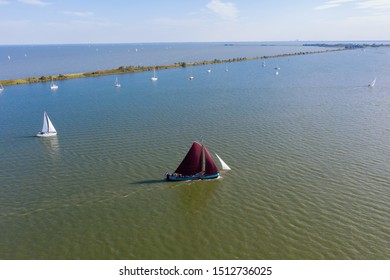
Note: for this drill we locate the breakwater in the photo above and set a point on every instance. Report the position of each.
(135, 69)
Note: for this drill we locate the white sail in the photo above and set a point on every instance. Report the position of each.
(50, 126)
(1, 88)
(224, 165)
(372, 84)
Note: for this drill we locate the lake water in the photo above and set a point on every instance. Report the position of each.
(309, 151)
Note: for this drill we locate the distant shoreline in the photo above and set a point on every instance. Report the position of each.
(136, 69)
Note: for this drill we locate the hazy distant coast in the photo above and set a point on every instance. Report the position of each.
(347, 45)
(135, 69)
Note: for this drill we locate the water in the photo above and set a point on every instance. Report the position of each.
(309, 152)
(34, 60)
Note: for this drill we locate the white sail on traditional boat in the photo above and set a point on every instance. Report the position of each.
(53, 86)
(117, 84)
(48, 128)
(1, 88)
(224, 165)
(154, 78)
(196, 165)
(372, 84)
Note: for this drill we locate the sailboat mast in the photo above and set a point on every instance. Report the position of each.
(47, 122)
(203, 161)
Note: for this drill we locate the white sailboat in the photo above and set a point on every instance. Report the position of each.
(154, 78)
(1, 88)
(48, 128)
(53, 86)
(224, 165)
(372, 84)
(117, 84)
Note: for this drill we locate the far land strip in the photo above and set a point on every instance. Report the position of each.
(135, 69)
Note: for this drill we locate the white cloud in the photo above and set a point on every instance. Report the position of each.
(39, 3)
(332, 4)
(78, 14)
(226, 11)
(374, 4)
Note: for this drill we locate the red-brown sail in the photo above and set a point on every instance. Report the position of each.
(192, 163)
(210, 167)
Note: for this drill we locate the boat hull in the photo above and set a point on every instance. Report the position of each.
(46, 134)
(196, 177)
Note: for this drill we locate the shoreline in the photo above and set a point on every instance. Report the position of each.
(136, 69)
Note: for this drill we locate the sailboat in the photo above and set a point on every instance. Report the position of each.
(372, 84)
(196, 165)
(224, 165)
(48, 128)
(154, 78)
(1, 88)
(53, 86)
(117, 84)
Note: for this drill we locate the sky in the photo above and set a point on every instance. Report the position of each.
(140, 21)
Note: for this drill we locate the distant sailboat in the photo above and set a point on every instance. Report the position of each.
(48, 128)
(190, 77)
(196, 165)
(154, 78)
(224, 165)
(53, 86)
(372, 84)
(1, 88)
(208, 70)
(117, 84)
(263, 64)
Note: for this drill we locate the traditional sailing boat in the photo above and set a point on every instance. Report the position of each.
(48, 128)
(196, 165)
(53, 86)
(1, 88)
(154, 78)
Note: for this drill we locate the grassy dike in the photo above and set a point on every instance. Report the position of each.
(135, 69)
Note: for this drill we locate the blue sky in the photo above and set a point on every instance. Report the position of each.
(131, 21)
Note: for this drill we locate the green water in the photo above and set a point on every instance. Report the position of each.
(309, 151)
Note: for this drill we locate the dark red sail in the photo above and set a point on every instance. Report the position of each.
(210, 167)
(192, 163)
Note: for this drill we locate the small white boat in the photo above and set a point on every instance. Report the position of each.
(1, 88)
(372, 84)
(117, 84)
(277, 73)
(190, 78)
(53, 86)
(208, 70)
(48, 129)
(154, 78)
